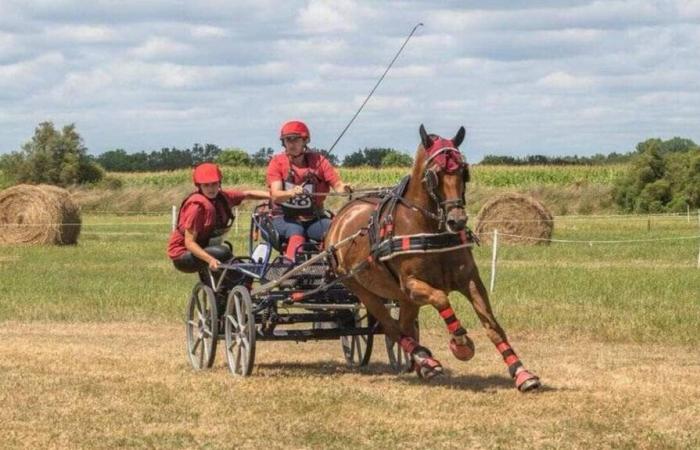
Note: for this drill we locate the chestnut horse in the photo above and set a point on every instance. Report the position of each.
(432, 257)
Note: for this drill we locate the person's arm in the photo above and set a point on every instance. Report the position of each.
(192, 246)
(256, 195)
(279, 195)
(333, 177)
(339, 186)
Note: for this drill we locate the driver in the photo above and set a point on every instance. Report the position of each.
(293, 177)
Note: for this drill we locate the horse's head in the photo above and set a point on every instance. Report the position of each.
(445, 174)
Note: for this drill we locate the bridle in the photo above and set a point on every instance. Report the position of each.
(452, 162)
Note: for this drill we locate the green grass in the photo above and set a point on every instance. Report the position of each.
(628, 292)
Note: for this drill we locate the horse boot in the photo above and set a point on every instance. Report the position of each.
(461, 345)
(424, 364)
(524, 379)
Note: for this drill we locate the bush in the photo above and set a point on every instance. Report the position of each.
(397, 159)
(233, 157)
(664, 177)
(53, 157)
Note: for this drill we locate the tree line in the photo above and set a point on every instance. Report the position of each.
(663, 176)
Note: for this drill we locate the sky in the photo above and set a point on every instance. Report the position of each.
(532, 77)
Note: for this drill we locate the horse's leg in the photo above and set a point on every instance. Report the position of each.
(475, 291)
(426, 366)
(421, 292)
(408, 313)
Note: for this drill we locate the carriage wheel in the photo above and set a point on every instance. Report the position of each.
(358, 349)
(239, 329)
(399, 360)
(201, 327)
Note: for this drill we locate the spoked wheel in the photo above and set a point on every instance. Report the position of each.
(202, 327)
(239, 329)
(358, 349)
(399, 360)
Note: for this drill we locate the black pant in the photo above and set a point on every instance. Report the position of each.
(189, 263)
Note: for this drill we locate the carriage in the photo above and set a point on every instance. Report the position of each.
(410, 243)
(260, 297)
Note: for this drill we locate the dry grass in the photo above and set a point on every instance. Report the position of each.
(128, 385)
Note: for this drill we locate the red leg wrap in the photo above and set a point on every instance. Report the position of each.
(526, 381)
(294, 243)
(408, 344)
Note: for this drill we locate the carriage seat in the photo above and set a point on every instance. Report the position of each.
(271, 236)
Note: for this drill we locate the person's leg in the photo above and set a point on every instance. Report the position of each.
(292, 231)
(188, 263)
(317, 230)
(221, 252)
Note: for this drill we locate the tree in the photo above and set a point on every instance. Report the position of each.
(115, 161)
(665, 176)
(329, 156)
(397, 159)
(233, 157)
(368, 157)
(207, 153)
(354, 159)
(262, 156)
(53, 157)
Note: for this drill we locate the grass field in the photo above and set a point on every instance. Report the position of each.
(637, 292)
(93, 353)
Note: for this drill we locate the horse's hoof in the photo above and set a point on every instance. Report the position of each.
(428, 368)
(526, 382)
(462, 352)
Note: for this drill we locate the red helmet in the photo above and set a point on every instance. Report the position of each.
(206, 173)
(295, 128)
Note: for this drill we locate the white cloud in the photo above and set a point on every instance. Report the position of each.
(208, 31)
(231, 72)
(34, 73)
(160, 48)
(82, 33)
(563, 80)
(329, 16)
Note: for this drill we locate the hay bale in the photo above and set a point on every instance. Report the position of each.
(514, 214)
(40, 214)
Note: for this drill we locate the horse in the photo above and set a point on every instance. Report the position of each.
(416, 249)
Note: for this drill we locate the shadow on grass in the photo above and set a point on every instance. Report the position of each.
(380, 371)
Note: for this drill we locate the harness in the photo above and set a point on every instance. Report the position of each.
(384, 245)
(302, 205)
(220, 223)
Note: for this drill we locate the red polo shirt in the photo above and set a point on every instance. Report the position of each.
(192, 218)
(278, 169)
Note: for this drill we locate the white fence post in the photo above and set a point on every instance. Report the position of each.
(493, 260)
(235, 214)
(173, 218)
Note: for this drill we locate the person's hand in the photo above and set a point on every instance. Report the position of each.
(298, 190)
(214, 264)
(347, 188)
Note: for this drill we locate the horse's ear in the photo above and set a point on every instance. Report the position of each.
(459, 137)
(424, 138)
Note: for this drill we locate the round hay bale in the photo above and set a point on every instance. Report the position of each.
(40, 214)
(525, 219)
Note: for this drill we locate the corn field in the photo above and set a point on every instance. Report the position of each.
(488, 176)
